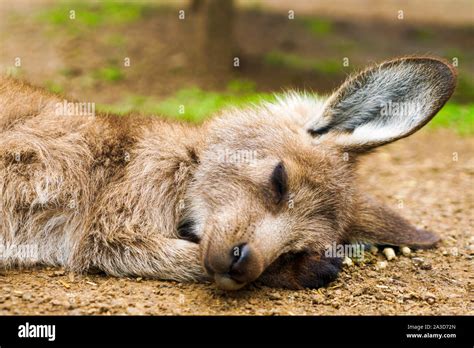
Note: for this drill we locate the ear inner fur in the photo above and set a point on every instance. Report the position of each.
(354, 113)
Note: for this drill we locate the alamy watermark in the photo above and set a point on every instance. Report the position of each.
(26, 252)
(355, 251)
(66, 108)
(28, 330)
(237, 156)
(404, 109)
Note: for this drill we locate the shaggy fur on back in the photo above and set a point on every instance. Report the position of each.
(107, 182)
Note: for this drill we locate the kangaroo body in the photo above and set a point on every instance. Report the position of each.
(251, 194)
(94, 191)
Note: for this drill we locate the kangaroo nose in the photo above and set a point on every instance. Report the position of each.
(240, 261)
(232, 270)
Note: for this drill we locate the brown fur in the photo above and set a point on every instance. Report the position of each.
(109, 193)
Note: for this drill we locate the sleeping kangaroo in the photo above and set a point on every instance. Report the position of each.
(253, 194)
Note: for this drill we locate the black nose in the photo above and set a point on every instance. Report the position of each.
(240, 259)
(234, 267)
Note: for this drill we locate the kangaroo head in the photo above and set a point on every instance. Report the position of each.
(279, 179)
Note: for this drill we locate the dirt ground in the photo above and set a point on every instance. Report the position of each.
(428, 177)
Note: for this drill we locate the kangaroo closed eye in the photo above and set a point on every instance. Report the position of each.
(279, 180)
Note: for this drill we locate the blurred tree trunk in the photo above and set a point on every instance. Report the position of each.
(215, 34)
(196, 5)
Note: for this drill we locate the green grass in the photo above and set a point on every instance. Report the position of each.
(293, 61)
(455, 116)
(108, 74)
(328, 66)
(317, 26)
(424, 34)
(192, 104)
(54, 87)
(115, 40)
(464, 89)
(92, 15)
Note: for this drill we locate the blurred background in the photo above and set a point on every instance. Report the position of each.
(154, 56)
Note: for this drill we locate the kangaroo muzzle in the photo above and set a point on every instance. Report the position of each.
(234, 267)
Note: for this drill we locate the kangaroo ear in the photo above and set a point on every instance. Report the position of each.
(385, 103)
(378, 224)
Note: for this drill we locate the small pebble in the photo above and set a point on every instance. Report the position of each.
(347, 261)
(26, 296)
(318, 299)
(389, 253)
(470, 249)
(133, 311)
(430, 298)
(274, 296)
(382, 264)
(56, 303)
(418, 260)
(405, 251)
(57, 273)
(454, 251)
(373, 249)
